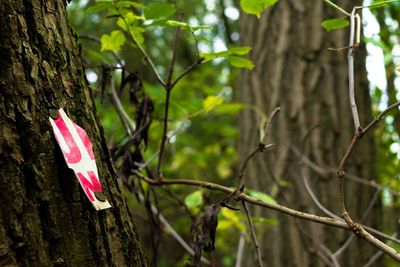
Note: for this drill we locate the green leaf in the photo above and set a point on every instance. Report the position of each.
(379, 3)
(159, 10)
(99, 6)
(240, 62)
(194, 199)
(239, 50)
(211, 102)
(186, 26)
(261, 196)
(214, 55)
(130, 19)
(177, 23)
(334, 24)
(112, 42)
(256, 7)
(137, 33)
(124, 4)
(229, 108)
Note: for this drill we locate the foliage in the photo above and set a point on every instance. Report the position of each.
(334, 24)
(256, 6)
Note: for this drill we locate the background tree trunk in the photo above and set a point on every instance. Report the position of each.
(45, 218)
(295, 70)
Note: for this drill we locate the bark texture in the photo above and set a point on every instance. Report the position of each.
(45, 218)
(295, 70)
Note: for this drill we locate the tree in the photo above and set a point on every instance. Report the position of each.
(46, 219)
(296, 71)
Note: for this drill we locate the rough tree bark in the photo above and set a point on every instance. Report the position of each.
(45, 218)
(295, 70)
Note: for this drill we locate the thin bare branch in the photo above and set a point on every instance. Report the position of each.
(173, 60)
(373, 259)
(164, 136)
(187, 71)
(171, 230)
(340, 174)
(378, 118)
(314, 198)
(364, 216)
(262, 147)
(253, 234)
(146, 56)
(240, 250)
(324, 171)
(128, 124)
(268, 124)
(242, 196)
(350, 60)
(337, 7)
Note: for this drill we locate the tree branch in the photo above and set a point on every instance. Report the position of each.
(253, 234)
(188, 70)
(354, 21)
(146, 56)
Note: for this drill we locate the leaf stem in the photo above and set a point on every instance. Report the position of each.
(337, 7)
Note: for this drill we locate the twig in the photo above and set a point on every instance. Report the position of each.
(146, 56)
(126, 121)
(321, 247)
(268, 124)
(188, 70)
(324, 171)
(240, 250)
(350, 60)
(164, 136)
(330, 254)
(253, 234)
(171, 230)
(356, 228)
(262, 147)
(314, 198)
(340, 174)
(378, 4)
(377, 119)
(242, 196)
(365, 214)
(337, 7)
(173, 60)
(168, 87)
(373, 259)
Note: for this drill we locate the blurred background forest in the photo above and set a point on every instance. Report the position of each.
(204, 124)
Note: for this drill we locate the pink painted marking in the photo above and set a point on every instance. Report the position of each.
(90, 184)
(74, 155)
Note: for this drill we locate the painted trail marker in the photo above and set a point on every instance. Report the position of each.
(78, 153)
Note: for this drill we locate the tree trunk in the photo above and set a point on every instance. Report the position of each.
(45, 217)
(295, 71)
